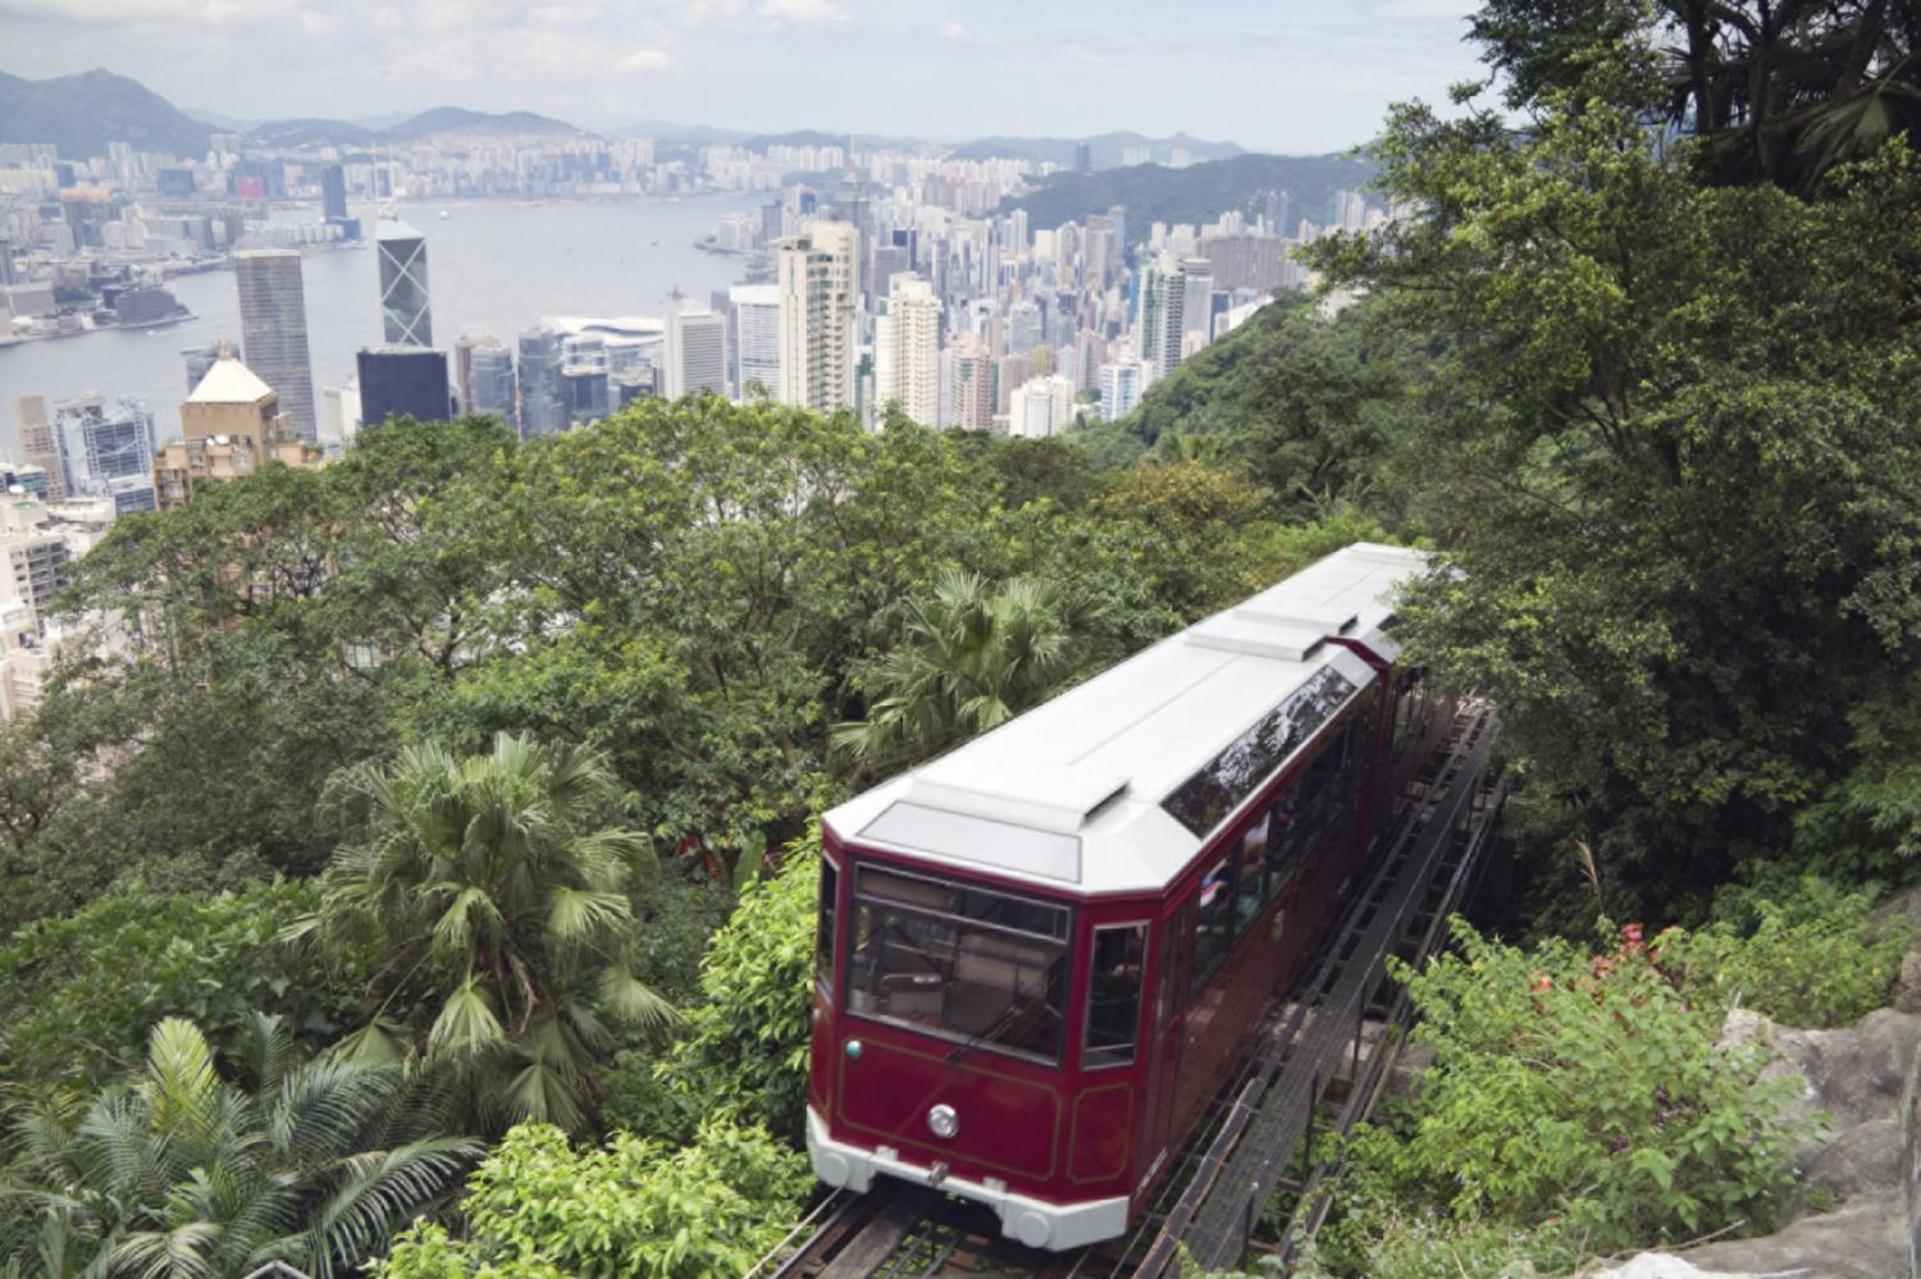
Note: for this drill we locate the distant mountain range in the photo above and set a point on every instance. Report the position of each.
(80, 114)
(1198, 193)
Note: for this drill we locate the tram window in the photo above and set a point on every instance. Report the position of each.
(941, 957)
(1114, 995)
(824, 928)
(1251, 897)
(1213, 922)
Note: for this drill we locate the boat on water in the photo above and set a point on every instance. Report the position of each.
(445, 214)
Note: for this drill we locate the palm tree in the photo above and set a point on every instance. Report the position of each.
(500, 899)
(181, 1174)
(973, 656)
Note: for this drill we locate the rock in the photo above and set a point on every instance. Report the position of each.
(1865, 1238)
(1853, 1074)
(1907, 987)
(1865, 1159)
(1662, 1265)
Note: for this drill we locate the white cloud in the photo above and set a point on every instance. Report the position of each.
(563, 15)
(953, 31)
(645, 60)
(804, 12)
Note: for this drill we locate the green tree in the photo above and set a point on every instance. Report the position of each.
(971, 657)
(499, 894)
(1673, 462)
(183, 1175)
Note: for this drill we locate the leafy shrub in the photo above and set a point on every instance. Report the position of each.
(1584, 1091)
(744, 1053)
(539, 1209)
(79, 994)
(1814, 956)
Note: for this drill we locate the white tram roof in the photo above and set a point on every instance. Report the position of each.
(1069, 795)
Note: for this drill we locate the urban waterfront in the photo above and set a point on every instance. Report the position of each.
(496, 266)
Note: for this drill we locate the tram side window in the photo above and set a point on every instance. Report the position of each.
(1251, 895)
(1304, 811)
(960, 962)
(824, 928)
(1114, 995)
(1213, 921)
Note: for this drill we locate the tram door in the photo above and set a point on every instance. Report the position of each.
(1164, 1043)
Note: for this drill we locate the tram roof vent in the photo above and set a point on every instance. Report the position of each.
(1327, 621)
(1286, 641)
(1027, 792)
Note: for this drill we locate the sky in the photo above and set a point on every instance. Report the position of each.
(1290, 76)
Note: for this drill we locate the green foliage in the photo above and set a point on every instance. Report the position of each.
(1669, 456)
(180, 1172)
(1582, 1090)
(1805, 953)
(79, 994)
(498, 895)
(1305, 406)
(538, 1209)
(970, 658)
(743, 1055)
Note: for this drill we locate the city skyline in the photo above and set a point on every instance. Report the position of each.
(1305, 78)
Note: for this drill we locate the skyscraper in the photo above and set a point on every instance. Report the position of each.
(406, 317)
(1161, 294)
(273, 330)
(696, 353)
(542, 411)
(1197, 299)
(402, 381)
(37, 444)
(106, 450)
(817, 282)
(486, 377)
(333, 192)
(907, 350)
(975, 390)
(756, 338)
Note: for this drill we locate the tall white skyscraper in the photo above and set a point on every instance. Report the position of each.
(1197, 299)
(696, 353)
(907, 350)
(1041, 407)
(273, 330)
(756, 338)
(406, 317)
(1120, 389)
(818, 283)
(1160, 323)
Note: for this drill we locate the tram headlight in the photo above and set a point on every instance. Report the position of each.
(943, 1122)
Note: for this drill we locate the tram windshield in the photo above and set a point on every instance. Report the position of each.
(961, 962)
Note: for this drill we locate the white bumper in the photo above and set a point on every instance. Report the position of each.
(1033, 1222)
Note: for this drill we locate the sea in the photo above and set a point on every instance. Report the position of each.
(493, 266)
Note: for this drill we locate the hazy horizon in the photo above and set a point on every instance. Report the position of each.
(1282, 76)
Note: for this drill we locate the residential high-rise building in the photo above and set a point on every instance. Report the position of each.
(339, 415)
(907, 350)
(231, 426)
(1120, 389)
(1041, 407)
(1197, 299)
(696, 353)
(406, 315)
(973, 387)
(756, 338)
(273, 330)
(38, 446)
(543, 411)
(1161, 297)
(818, 283)
(106, 450)
(402, 381)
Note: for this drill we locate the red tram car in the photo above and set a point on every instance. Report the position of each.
(1040, 954)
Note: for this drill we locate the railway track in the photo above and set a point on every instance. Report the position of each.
(1322, 1056)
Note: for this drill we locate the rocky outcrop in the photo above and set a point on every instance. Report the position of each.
(1854, 1213)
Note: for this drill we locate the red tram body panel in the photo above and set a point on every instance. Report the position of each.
(1040, 955)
